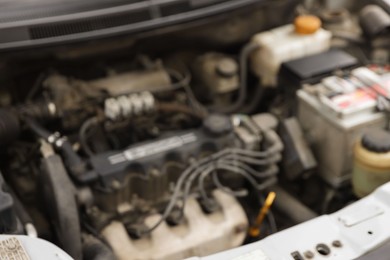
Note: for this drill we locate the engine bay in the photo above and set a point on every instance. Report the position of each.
(193, 140)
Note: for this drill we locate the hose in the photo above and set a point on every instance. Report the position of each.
(255, 100)
(39, 130)
(291, 207)
(173, 107)
(83, 134)
(183, 82)
(94, 249)
(242, 94)
(75, 164)
(23, 215)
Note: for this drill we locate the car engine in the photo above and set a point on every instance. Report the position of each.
(189, 135)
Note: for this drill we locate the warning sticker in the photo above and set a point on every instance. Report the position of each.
(361, 99)
(12, 249)
(357, 99)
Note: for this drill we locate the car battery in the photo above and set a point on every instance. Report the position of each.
(336, 112)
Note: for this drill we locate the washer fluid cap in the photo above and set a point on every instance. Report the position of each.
(307, 24)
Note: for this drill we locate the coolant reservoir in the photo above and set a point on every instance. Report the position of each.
(372, 162)
(303, 38)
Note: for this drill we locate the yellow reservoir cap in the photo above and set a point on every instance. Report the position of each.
(370, 170)
(307, 24)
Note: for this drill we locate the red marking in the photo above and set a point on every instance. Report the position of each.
(380, 90)
(345, 104)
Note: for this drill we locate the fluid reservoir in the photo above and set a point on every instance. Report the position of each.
(303, 38)
(372, 162)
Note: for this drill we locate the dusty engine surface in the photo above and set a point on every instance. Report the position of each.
(196, 139)
(137, 169)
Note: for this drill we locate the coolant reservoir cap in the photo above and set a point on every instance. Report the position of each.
(218, 124)
(376, 140)
(307, 24)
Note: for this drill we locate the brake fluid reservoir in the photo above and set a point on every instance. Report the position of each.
(303, 38)
(372, 162)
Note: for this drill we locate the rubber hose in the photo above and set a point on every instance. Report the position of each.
(291, 207)
(94, 249)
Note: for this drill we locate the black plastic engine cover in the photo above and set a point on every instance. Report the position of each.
(145, 171)
(143, 157)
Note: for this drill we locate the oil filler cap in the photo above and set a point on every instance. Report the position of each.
(217, 124)
(376, 140)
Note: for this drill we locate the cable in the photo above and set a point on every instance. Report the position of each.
(188, 185)
(37, 129)
(201, 187)
(247, 176)
(83, 134)
(269, 172)
(229, 191)
(199, 169)
(224, 161)
(242, 95)
(173, 200)
(196, 168)
(274, 159)
(178, 186)
(34, 89)
(229, 169)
